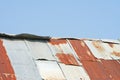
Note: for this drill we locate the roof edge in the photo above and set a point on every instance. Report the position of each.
(24, 36)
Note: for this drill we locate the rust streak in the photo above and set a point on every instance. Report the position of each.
(67, 59)
(116, 53)
(98, 46)
(111, 45)
(96, 70)
(57, 42)
(113, 68)
(82, 50)
(6, 70)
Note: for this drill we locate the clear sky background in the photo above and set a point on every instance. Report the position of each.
(61, 18)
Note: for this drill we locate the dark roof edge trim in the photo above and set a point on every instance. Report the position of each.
(24, 36)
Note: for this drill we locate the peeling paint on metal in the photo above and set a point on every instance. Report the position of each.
(6, 69)
(116, 49)
(103, 50)
(63, 52)
(57, 42)
(59, 59)
(98, 45)
(67, 59)
(82, 50)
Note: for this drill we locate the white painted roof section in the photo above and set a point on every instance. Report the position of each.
(40, 50)
(74, 72)
(50, 70)
(23, 64)
(103, 50)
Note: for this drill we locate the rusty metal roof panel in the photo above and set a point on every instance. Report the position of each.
(63, 52)
(82, 50)
(39, 49)
(58, 59)
(113, 68)
(74, 72)
(21, 61)
(96, 70)
(104, 50)
(6, 69)
(50, 70)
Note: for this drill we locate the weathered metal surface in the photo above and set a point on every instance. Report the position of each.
(40, 50)
(115, 48)
(103, 50)
(50, 70)
(63, 52)
(6, 69)
(110, 40)
(67, 58)
(113, 68)
(22, 62)
(82, 50)
(74, 72)
(59, 59)
(96, 70)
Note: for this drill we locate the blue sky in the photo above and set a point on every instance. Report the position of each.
(61, 18)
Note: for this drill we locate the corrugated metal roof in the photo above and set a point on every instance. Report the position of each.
(6, 69)
(63, 52)
(40, 50)
(50, 70)
(21, 60)
(82, 50)
(72, 72)
(33, 58)
(104, 50)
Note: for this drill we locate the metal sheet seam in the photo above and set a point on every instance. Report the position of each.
(61, 70)
(74, 53)
(56, 60)
(28, 49)
(118, 61)
(52, 52)
(50, 49)
(26, 43)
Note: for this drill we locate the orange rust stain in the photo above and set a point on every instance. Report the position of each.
(82, 50)
(113, 68)
(98, 46)
(6, 70)
(116, 53)
(96, 70)
(111, 45)
(57, 42)
(67, 59)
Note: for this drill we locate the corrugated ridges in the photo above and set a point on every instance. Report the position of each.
(64, 59)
